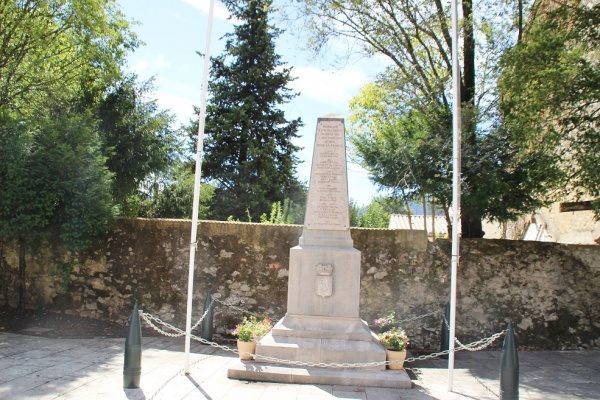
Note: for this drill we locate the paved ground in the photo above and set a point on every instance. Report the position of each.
(41, 368)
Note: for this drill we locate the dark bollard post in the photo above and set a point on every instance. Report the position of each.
(132, 366)
(206, 328)
(445, 335)
(509, 367)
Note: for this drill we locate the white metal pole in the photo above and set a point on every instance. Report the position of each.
(198, 172)
(456, 150)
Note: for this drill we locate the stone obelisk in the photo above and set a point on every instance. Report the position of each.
(322, 323)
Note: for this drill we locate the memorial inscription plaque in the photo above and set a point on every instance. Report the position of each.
(327, 205)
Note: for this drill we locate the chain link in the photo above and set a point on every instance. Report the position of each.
(242, 310)
(419, 317)
(403, 321)
(234, 307)
(149, 318)
(470, 347)
(479, 344)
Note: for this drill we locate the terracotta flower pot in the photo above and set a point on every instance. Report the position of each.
(398, 356)
(246, 347)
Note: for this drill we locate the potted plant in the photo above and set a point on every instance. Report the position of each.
(386, 322)
(395, 342)
(248, 332)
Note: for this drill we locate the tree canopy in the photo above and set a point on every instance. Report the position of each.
(76, 133)
(57, 47)
(401, 124)
(138, 138)
(249, 149)
(415, 36)
(551, 96)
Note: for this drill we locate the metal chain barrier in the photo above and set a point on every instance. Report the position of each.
(418, 317)
(234, 307)
(470, 347)
(149, 318)
(242, 310)
(479, 344)
(406, 320)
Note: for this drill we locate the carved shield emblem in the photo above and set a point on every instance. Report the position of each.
(324, 280)
(325, 286)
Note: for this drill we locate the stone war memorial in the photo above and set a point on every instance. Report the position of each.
(322, 324)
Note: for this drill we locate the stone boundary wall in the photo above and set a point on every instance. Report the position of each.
(551, 292)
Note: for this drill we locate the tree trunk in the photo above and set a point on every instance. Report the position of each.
(470, 219)
(408, 210)
(425, 216)
(448, 221)
(433, 219)
(21, 275)
(7, 273)
(471, 228)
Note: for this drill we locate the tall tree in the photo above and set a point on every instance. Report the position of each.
(249, 150)
(415, 36)
(138, 137)
(550, 89)
(406, 149)
(48, 48)
(53, 182)
(56, 59)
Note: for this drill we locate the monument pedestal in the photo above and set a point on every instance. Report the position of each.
(322, 340)
(322, 323)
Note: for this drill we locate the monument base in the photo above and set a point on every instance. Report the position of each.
(319, 339)
(254, 371)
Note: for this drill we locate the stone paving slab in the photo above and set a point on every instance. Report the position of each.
(92, 369)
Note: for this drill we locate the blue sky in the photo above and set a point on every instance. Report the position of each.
(173, 30)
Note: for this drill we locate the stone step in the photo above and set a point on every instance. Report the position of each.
(255, 371)
(321, 350)
(322, 327)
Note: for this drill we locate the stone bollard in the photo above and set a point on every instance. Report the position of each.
(445, 334)
(132, 366)
(206, 327)
(509, 367)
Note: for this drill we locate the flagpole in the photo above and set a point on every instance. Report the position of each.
(198, 173)
(456, 150)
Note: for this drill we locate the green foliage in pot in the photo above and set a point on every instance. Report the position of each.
(394, 339)
(252, 328)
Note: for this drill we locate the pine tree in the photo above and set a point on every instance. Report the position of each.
(249, 154)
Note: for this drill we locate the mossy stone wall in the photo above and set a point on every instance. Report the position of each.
(551, 292)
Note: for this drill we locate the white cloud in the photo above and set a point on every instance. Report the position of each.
(331, 87)
(162, 62)
(181, 106)
(140, 66)
(220, 11)
(146, 69)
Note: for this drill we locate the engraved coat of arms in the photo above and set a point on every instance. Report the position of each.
(324, 280)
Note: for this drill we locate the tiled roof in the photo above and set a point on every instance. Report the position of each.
(400, 221)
